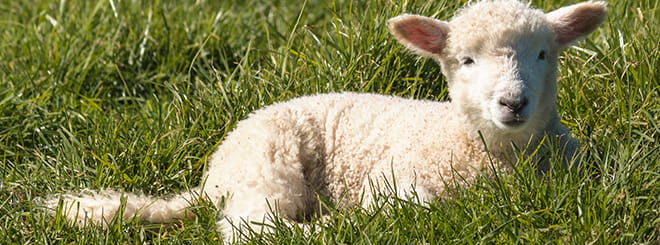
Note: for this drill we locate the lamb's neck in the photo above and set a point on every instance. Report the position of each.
(499, 141)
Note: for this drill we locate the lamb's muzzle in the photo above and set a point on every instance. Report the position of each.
(514, 105)
(512, 116)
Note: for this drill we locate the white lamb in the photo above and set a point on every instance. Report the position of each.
(500, 60)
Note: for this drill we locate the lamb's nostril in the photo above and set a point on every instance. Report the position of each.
(514, 105)
(503, 102)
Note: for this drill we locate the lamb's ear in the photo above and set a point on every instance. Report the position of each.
(576, 21)
(426, 36)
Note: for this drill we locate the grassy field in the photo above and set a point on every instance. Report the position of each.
(135, 95)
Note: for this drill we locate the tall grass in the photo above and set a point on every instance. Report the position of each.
(135, 95)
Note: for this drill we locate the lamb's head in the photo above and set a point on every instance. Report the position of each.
(500, 57)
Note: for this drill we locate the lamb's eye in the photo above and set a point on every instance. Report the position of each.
(467, 61)
(542, 55)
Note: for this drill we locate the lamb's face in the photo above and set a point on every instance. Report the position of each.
(504, 80)
(500, 57)
(504, 86)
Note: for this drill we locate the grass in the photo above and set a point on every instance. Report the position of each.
(135, 95)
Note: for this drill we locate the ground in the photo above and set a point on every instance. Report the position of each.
(135, 95)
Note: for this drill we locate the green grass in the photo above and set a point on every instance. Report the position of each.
(135, 95)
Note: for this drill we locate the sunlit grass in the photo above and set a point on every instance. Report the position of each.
(136, 95)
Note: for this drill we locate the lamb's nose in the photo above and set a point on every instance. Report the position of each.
(514, 105)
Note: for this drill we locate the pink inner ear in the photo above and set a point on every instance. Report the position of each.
(423, 40)
(421, 33)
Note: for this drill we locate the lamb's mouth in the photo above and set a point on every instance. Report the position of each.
(514, 123)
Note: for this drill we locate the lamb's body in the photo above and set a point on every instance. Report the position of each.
(337, 147)
(334, 144)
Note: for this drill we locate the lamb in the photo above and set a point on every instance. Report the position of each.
(500, 60)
